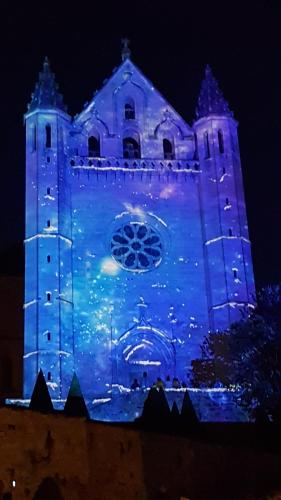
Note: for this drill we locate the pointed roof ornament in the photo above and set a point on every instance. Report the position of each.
(75, 405)
(188, 413)
(126, 52)
(40, 398)
(156, 407)
(46, 94)
(211, 100)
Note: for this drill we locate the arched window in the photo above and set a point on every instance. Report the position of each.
(168, 149)
(131, 148)
(221, 143)
(93, 147)
(48, 136)
(129, 110)
(206, 145)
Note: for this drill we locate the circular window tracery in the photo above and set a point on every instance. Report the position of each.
(137, 247)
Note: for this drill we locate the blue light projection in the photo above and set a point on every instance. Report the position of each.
(136, 234)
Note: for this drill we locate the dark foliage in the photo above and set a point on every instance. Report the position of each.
(247, 358)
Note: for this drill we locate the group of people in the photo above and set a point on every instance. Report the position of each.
(159, 383)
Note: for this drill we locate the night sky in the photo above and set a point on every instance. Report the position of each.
(171, 45)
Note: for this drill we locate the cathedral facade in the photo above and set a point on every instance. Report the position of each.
(136, 233)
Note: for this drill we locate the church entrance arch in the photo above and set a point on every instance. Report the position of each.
(144, 353)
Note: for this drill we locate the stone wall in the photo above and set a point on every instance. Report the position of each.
(99, 461)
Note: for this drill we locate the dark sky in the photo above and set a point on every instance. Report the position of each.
(172, 45)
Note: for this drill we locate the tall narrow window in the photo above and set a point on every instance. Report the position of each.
(48, 336)
(235, 273)
(220, 140)
(48, 223)
(230, 232)
(131, 148)
(34, 138)
(168, 150)
(48, 132)
(48, 296)
(61, 137)
(196, 147)
(93, 147)
(206, 145)
(226, 201)
(49, 376)
(129, 110)
(48, 258)
(48, 191)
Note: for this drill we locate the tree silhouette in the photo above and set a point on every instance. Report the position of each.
(247, 357)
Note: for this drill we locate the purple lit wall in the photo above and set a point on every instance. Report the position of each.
(136, 234)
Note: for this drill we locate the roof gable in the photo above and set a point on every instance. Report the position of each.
(126, 82)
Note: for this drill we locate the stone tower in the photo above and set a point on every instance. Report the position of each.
(136, 233)
(48, 278)
(227, 251)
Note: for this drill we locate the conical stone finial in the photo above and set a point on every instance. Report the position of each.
(188, 414)
(75, 405)
(156, 407)
(126, 52)
(40, 399)
(211, 100)
(46, 94)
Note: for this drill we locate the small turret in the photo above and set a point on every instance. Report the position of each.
(211, 100)
(46, 93)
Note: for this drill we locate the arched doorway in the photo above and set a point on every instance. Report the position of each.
(144, 352)
(48, 489)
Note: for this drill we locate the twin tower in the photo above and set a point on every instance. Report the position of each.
(136, 233)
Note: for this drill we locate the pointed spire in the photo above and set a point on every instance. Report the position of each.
(46, 94)
(75, 405)
(211, 100)
(188, 414)
(175, 411)
(156, 408)
(126, 51)
(40, 399)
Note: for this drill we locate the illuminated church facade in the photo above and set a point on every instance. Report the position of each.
(136, 233)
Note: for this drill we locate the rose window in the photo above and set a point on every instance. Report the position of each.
(137, 247)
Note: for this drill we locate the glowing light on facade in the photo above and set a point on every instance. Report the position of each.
(127, 201)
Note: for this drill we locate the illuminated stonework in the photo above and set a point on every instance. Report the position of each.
(136, 234)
